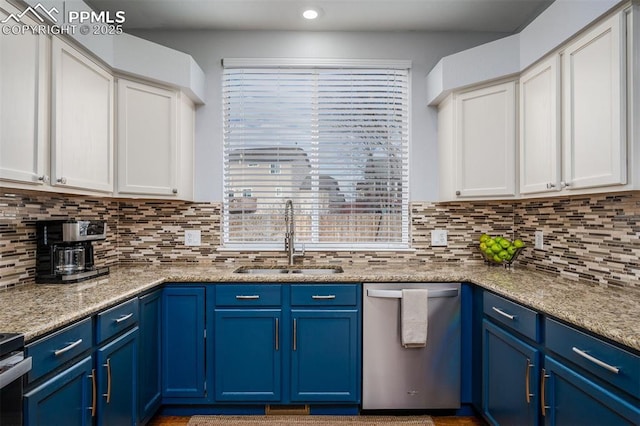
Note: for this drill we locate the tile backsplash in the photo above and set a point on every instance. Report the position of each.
(593, 237)
(19, 211)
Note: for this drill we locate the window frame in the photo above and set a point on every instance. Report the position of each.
(405, 243)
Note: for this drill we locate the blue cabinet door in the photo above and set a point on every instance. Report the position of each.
(325, 360)
(149, 383)
(248, 361)
(65, 399)
(117, 367)
(572, 399)
(183, 344)
(510, 370)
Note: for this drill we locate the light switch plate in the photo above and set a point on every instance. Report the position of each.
(439, 238)
(192, 237)
(539, 240)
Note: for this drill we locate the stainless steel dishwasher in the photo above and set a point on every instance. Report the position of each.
(417, 378)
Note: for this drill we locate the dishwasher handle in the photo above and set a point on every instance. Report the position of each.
(397, 294)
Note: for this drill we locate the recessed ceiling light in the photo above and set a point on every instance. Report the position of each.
(310, 14)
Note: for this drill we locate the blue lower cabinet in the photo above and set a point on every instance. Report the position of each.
(183, 344)
(248, 360)
(117, 370)
(572, 399)
(510, 372)
(149, 373)
(65, 399)
(325, 357)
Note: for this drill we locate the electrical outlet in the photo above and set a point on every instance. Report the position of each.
(439, 238)
(192, 237)
(539, 240)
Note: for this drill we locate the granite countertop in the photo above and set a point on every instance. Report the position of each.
(608, 311)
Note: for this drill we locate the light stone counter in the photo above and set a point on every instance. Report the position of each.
(612, 312)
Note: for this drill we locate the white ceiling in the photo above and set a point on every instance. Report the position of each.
(336, 15)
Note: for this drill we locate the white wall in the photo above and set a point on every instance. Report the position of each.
(209, 47)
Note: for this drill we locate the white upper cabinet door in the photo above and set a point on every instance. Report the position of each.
(82, 154)
(23, 104)
(540, 127)
(147, 139)
(594, 113)
(485, 133)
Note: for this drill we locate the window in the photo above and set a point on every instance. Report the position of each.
(275, 168)
(333, 140)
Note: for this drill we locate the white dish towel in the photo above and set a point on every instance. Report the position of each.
(414, 317)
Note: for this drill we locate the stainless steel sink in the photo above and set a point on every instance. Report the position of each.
(315, 270)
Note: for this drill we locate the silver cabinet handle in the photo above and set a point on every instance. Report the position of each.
(295, 334)
(503, 313)
(94, 401)
(108, 394)
(43, 179)
(123, 318)
(458, 193)
(596, 361)
(174, 190)
(327, 297)
(277, 334)
(62, 180)
(551, 185)
(67, 348)
(543, 383)
(564, 184)
(251, 297)
(527, 381)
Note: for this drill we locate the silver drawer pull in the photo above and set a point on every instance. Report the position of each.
(596, 361)
(503, 313)
(124, 318)
(67, 348)
(327, 297)
(251, 297)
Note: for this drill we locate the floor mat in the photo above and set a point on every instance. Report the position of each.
(310, 420)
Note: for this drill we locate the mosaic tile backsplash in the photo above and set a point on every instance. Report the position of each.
(596, 237)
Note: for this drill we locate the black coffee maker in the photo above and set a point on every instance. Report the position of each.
(64, 252)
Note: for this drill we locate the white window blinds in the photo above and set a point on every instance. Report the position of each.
(335, 141)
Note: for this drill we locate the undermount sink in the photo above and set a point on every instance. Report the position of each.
(317, 270)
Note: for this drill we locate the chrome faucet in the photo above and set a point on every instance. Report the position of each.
(289, 225)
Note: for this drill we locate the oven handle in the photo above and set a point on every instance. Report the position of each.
(15, 372)
(397, 294)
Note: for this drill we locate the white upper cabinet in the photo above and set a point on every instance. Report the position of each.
(147, 139)
(155, 141)
(594, 107)
(485, 142)
(23, 104)
(82, 117)
(540, 127)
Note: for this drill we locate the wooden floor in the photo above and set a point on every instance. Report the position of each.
(439, 421)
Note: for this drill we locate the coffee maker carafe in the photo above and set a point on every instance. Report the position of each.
(65, 251)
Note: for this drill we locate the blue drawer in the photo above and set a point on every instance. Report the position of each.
(248, 295)
(115, 320)
(514, 316)
(604, 360)
(53, 351)
(324, 295)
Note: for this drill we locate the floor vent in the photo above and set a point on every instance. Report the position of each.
(287, 410)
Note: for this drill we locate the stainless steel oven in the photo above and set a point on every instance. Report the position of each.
(13, 367)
